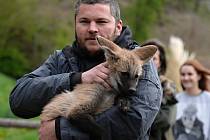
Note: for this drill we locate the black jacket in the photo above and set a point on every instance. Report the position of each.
(62, 70)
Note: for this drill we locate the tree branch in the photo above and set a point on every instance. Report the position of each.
(19, 123)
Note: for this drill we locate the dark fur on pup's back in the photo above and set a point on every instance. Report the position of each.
(125, 67)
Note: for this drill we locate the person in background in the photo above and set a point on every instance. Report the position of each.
(163, 119)
(193, 114)
(83, 62)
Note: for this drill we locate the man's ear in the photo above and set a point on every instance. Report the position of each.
(119, 26)
(145, 53)
(110, 48)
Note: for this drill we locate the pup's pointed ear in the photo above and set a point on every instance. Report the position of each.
(107, 44)
(145, 53)
(110, 48)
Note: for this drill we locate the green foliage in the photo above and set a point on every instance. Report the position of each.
(182, 4)
(185, 5)
(13, 62)
(6, 85)
(141, 15)
(18, 134)
(33, 29)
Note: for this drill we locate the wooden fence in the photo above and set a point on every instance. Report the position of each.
(19, 123)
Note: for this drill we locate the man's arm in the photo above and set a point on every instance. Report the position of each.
(35, 89)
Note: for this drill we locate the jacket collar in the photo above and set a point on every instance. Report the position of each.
(125, 38)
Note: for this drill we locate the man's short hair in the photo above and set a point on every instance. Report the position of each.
(114, 6)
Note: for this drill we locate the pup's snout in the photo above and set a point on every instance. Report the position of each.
(131, 90)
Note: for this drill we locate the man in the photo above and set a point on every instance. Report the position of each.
(83, 62)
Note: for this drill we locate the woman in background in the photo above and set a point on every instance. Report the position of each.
(193, 113)
(162, 121)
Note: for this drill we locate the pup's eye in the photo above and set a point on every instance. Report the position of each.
(125, 74)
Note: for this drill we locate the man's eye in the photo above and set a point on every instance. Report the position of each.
(83, 21)
(102, 22)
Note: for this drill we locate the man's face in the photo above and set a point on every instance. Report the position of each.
(93, 20)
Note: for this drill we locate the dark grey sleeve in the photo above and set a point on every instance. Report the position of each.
(135, 123)
(35, 89)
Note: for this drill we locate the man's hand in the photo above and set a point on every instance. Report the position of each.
(47, 130)
(98, 74)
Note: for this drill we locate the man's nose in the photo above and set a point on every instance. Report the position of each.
(93, 28)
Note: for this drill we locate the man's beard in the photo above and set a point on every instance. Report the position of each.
(112, 38)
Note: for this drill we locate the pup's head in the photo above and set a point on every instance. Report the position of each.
(126, 64)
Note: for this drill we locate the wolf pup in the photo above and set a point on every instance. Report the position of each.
(126, 68)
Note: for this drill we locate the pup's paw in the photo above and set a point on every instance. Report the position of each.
(124, 105)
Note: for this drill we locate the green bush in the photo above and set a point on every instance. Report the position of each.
(6, 84)
(29, 34)
(12, 62)
(18, 134)
(142, 15)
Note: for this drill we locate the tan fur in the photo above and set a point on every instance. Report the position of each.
(94, 98)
